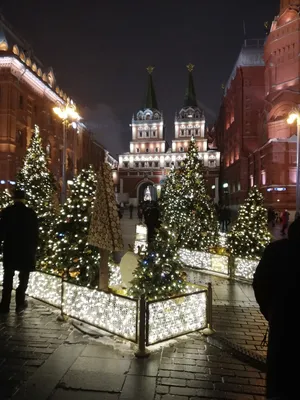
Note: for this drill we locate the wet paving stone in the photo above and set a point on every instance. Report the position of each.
(23, 349)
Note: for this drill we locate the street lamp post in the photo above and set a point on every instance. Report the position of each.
(295, 116)
(68, 116)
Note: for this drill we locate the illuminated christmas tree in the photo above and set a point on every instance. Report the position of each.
(5, 199)
(71, 251)
(39, 185)
(105, 229)
(186, 206)
(250, 234)
(159, 273)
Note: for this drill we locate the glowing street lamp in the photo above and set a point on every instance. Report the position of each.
(293, 117)
(69, 116)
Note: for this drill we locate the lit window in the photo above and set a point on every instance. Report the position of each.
(263, 177)
(251, 180)
(48, 150)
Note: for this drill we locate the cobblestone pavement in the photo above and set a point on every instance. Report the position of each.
(26, 342)
(236, 315)
(47, 360)
(43, 359)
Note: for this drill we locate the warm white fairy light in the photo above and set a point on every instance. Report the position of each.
(171, 318)
(250, 234)
(116, 314)
(104, 310)
(195, 259)
(222, 239)
(115, 277)
(205, 261)
(244, 268)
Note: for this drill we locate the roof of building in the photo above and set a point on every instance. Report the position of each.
(9, 38)
(190, 98)
(251, 55)
(151, 101)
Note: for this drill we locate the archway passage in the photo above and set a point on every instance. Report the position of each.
(147, 192)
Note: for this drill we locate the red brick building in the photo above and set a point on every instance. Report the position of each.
(237, 125)
(28, 93)
(257, 145)
(150, 158)
(273, 164)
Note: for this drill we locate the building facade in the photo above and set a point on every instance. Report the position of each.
(150, 158)
(28, 93)
(273, 163)
(237, 126)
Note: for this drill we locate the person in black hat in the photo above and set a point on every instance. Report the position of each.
(19, 235)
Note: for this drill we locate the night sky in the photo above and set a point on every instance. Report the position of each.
(99, 51)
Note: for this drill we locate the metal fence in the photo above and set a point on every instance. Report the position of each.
(137, 320)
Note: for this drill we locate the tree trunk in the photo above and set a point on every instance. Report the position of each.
(104, 272)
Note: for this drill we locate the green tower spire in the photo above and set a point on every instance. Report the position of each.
(151, 101)
(190, 99)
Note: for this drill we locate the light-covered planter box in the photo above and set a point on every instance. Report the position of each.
(244, 269)
(120, 315)
(141, 233)
(205, 261)
(110, 312)
(175, 317)
(41, 286)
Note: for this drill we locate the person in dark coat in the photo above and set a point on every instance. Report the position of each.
(276, 286)
(131, 210)
(151, 216)
(19, 234)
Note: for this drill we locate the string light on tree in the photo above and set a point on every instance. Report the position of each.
(70, 248)
(250, 234)
(159, 273)
(186, 206)
(39, 185)
(5, 199)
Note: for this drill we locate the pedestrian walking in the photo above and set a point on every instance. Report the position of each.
(279, 303)
(19, 235)
(151, 215)
(140, 213)
(284, 221)
(130, 210)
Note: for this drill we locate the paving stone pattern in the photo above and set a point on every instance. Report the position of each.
(26, 342)
(244, 326)
(194, 370)
(46, 360)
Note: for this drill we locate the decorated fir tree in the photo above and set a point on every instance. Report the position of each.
(105, 229)
(250, 234)
(70, 250)
(39, 185)
(186, 206)
(159, 273)
(5, 199)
